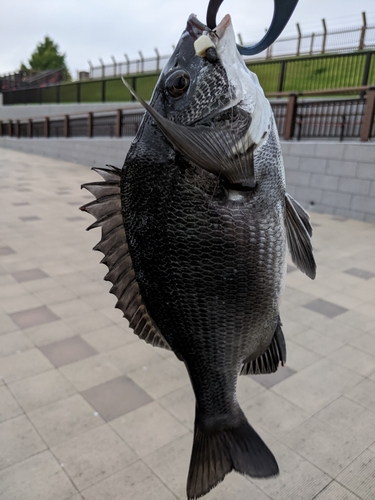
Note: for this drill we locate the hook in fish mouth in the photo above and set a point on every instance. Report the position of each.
(283, 10)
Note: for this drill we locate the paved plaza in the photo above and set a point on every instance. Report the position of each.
(89, 411)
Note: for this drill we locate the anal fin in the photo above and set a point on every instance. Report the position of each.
(268, 361)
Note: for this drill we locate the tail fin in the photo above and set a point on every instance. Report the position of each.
(218, 451)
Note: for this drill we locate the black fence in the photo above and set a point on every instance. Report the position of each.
(350, 118)
(295, 74)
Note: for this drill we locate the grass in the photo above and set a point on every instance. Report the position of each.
(301, 74)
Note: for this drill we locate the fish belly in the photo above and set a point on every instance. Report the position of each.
(210, 271)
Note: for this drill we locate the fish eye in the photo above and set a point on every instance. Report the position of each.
(177, 83)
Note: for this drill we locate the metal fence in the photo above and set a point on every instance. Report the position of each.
(295, 118)
(289, 75)
(319, 42)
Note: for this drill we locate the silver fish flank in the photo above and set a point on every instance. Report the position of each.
(195, 228)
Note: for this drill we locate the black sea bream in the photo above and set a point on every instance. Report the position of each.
(194, 231)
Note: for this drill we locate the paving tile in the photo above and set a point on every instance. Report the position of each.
(317, 385)
(67, 351)
(116, 397)
(24, 364)
(30, 218)
(273, 413)
(71, 308)
(90, 372)
(297, 357)
(326, 308)
(88, 323)
(64, 419)
(12, 305)
(110, 337)
(365, 342)
(39, 390)
(18, 440)
(29, 274)
(160, 378)
(135, 482)
(360, 273)
(132, 356)
(343, 414)
(181, 404)
(355, 359)
(9, 407)
(148, 428)
(94, 455)
(335, 491)
(15, 342)
(6, 251)
(33, 317)
(298, 479)
(315, 341)
(363, 393)
(325, 446)
(271, 379)
(36, 478)
(359, 475)
(49, 333)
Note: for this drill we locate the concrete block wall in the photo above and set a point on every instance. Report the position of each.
(329, 177)
(332, 177)
(90, 152)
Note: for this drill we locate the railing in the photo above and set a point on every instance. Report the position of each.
(295, 118)
(319, 42)
(289, 75)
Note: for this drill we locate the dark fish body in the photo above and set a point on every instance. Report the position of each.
(194, 234)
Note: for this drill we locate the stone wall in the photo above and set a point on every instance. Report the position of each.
(331, 177)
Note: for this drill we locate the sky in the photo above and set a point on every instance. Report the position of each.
(92, 29)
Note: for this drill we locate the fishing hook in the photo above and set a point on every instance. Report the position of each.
(283, 9)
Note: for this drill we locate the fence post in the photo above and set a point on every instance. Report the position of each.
(58, 94)
(29, 128)
(1, 128)
(118, 123)
(142, 61)
(127, 64)
(18, 129)
(324, 36)
(114, 65)
(312, 43)
(134, 85)
(366, 71)
(78, 91)
(361, 45)
(280, 84)
(66, 126)
(10, 128)
(368, 115)
(103, 90)
(46, 127)
(157, 59)
(290, 117)
(89, 125)
(299, 39)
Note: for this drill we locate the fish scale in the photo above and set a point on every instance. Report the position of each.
(194, 233)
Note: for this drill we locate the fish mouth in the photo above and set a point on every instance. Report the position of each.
(196, 28)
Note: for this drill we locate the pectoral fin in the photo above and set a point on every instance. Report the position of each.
(298, 232)
(216, 150)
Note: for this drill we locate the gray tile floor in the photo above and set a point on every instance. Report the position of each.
(89, 411)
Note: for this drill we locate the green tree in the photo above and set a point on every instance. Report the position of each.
(47, 56)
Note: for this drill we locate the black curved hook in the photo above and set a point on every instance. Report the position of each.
(282, 11)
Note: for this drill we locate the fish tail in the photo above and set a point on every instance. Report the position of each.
(225, 445)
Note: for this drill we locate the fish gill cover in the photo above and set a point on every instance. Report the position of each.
(195, 228)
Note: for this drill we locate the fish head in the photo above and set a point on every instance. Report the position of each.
(206, 76)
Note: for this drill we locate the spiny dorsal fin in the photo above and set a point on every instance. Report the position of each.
(107, 211)
(268, 362)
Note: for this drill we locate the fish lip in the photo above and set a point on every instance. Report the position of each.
(195, 28)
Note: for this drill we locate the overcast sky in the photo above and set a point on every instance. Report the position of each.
(89, 29)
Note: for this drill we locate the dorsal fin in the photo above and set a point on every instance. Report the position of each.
(113, 244)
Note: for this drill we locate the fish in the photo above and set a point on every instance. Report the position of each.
(195, 230)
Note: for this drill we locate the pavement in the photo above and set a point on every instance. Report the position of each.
(89, 411)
